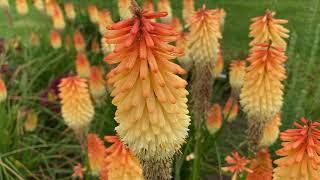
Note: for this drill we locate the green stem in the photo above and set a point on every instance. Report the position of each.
(196, 161)
(180, 160)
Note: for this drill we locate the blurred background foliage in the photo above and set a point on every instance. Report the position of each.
(51, 150)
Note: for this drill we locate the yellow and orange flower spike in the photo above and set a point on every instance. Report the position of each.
(237, 71)
(261, 95)
(218, 67)
(231, 109)
(124, 9)
(76, 106)
(31, 121)
(58, 18)
(97, 83)
(22, 7)
(55, 39)
(93, 14)
(204, 36)
(188, 10)
(96, 153)
(69, 10)
(164, 6)
(214, 121)
(78, 171)
(120, 161)
(4, 4)
(270, 132)
(82, 65)
(300, 152)
(34, 39)
(265, 29)
(39, 5)
(261, 166)
(150, 97)
(105, 20)
(78, 41)
(3, 91)
(237, 165)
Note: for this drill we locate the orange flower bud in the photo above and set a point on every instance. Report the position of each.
(55, 39)
(31, 122)
(38, 4)
(230, 110)
(218, 67)
(124, 9)
(105, 20)
(93, 14)
(214, 121)
(97, 83)
(76, 106)
(79, 42)
(96, 153)
(50, 6)
(69, 10)
(82, 65)
(22, 7)
(3, 91)
(34, 39)
(237, 71)
(57, 18)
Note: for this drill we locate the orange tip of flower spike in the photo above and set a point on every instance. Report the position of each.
(300, 152)
(215, 118)
(96, 153)
(266, 28)
(82, 65)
